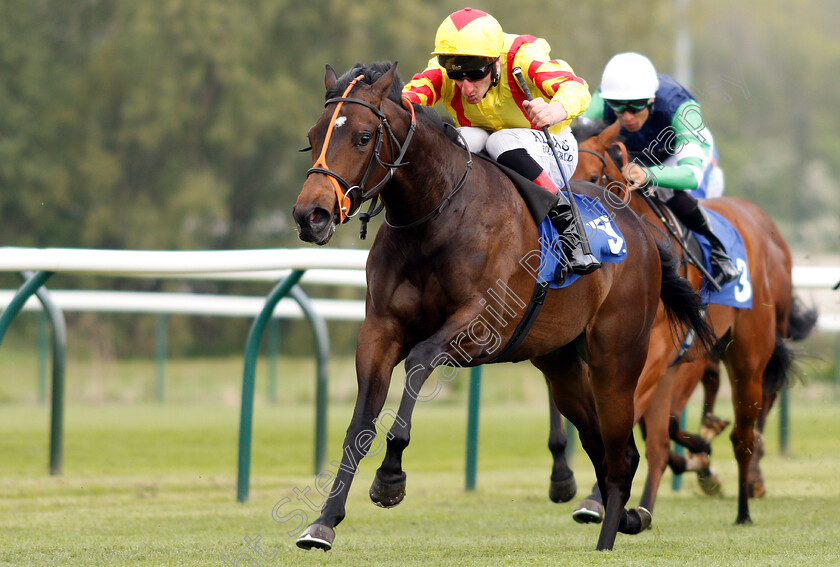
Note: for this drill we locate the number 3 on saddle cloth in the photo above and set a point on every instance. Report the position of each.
(608, 245)
(604, 236)
(737, 293)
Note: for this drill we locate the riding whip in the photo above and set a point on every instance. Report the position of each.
(584, 241)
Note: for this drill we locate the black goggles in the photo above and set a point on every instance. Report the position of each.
(631, 106)
(459, 68)
(474, 75)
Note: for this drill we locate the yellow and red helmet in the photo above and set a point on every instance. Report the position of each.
(469, 32)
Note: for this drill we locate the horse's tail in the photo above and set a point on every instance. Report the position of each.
(780, 369)
(801, 320)
(681, 301)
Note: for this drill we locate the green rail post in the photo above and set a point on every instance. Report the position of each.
(472, 427)
(784, 422)
(59, 348)
(43, 354)
(676, 480)
(160, 357)
(322, 349)
(252, 348)
(273, 352)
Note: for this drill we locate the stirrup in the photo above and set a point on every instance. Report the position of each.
(579, 262)
(726, 271)
(583, 264)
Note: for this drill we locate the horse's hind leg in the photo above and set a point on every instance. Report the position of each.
(614, 381)
(745, 364)
(563, 486)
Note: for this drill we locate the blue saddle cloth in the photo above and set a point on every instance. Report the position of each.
(736, 293)
(605, 239)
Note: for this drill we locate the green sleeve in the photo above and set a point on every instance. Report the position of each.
(692, 139)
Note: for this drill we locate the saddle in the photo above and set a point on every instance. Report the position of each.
(538, 200)
(691, 250)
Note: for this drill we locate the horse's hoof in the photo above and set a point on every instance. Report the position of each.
(645, 517)
(589, 512)
(635, 521)
(756, 489)
(562, 490)
(744, 520)
(316, 536)
(712, 426)
(697, 461)
(709, 481)
(386, 495)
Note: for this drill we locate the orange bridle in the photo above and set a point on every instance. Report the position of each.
(343, 189)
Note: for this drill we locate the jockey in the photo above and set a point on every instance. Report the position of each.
(471, 74)
(670, 146)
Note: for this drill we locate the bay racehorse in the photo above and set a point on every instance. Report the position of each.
(445, 282)
(777, 375)
(749, 339)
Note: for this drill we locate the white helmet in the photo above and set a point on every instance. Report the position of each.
(629, 76)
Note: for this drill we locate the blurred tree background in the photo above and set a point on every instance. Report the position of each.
(175, 124)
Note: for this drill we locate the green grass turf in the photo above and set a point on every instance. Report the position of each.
(155, 485)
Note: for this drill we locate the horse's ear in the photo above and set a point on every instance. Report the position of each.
(609, 133)
(330, 77)
(383, 84)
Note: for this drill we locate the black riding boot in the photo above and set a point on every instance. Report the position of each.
(692, 214)
(575, 243)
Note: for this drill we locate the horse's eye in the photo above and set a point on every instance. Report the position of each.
(364, 139)
(594, 179)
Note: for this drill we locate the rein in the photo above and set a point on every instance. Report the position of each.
(344, 191)
(604, 179)
(447, 198)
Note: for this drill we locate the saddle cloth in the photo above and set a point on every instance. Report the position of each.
(605, 238)
(737, 293)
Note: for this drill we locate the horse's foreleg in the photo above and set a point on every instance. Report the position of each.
(388, 487)
(711, 382)
(376, 357)
(657, 441)
(563, 486)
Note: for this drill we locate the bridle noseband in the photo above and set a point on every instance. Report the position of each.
(350, 197)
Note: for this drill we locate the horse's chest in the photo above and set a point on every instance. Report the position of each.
(418, 301)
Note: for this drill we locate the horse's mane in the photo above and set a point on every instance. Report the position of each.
(370, 73)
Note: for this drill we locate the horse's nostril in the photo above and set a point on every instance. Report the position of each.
(319, 218)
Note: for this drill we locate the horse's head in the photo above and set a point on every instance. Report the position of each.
(348, 142)
(594, 162)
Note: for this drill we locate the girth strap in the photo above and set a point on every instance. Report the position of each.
(528, 320)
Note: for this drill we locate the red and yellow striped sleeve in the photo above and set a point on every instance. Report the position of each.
(426, 88)
(554, 78)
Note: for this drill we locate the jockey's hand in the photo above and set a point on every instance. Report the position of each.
(543, 113)
(635, 175)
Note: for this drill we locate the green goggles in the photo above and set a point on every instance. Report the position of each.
(631, 106)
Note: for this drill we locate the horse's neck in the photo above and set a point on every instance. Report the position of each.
(433, 168)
